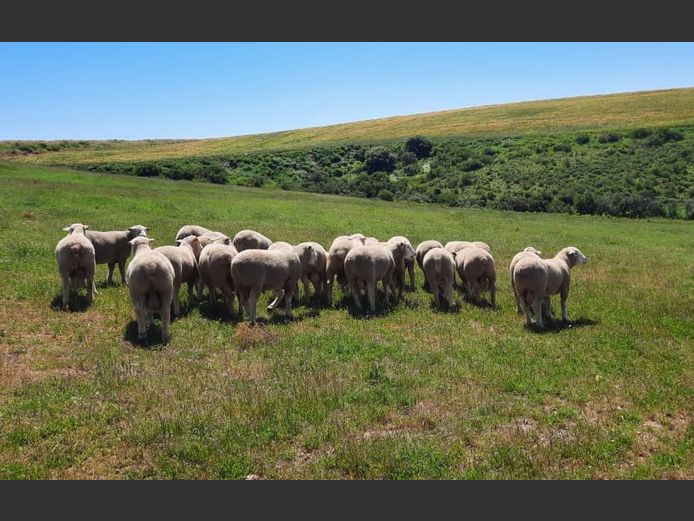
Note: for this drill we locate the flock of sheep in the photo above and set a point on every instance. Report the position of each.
(250, 263)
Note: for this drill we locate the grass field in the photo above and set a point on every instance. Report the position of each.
(673, 107)
(407, 393)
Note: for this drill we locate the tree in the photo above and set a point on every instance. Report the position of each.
(379, 159)
(419, 146)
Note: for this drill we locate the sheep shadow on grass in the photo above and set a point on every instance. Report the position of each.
(153, 341)
(78, 303)
(558, 325)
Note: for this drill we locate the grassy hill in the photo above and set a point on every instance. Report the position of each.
(407, 393)
(674, 107)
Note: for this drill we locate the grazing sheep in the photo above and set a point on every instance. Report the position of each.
(369, 241)
(408, 261)
(184, 259)
(254, 271)
(336, 263)
(314, 260)
(359, 237)
(114, 248)
(421, 251)
(476, 269)
(190, 229)
(281, 245)
(150, 278)
(364, 267)
(527, 252)
(537, 279)
(215, 272)
(250, 240)
(439, 267)
(76, 262)
(211, 238)
(455, 246)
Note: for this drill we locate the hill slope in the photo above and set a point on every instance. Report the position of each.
(674, 107)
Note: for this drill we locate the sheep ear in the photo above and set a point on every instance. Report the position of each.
(227, 241)
(146, 229)
(538, 252)
(67, 228)
(131, 242)
(86, 226)
(150, 239)
(178, 242)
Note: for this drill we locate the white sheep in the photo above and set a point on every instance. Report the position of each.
(113, 247)
(314, 261)
(76, 262)
(150, 278)
(537, 279)
(254, 271)
(335, 266)
(190, 229)
(422, 249)
(527, 252)
(364, 267)
(250, 240)
(477, 271)
(211, 238)
(184, 259)
(215, 272)
(408, 262)
(369, 241)
(439, 268)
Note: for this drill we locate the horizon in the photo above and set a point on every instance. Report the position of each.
(134, 92)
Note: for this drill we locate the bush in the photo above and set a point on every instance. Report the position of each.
(583, 139)
(689, 209)
(612, 137)
(407, 158)
(148, 171)
(562, 147)
(386, 195)
(419, 146)
(641, 133)
(379, 159)
(664, 135)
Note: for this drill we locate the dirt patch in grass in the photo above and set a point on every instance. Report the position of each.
(249, 336)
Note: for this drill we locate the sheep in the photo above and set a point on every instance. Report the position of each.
(212, 237)
(359, 237)
(250, 240)
(365, 266)
(527, 252)
(281, 245)
(314, 260)
(421, 251)
(190, 229)
(455, 246)
(215, 272)
(184, 259)
(476, 269)
(76, 262)
(150, 277)
(408, 261)
(537, 279)
(336, 263)
(114, 247)
(254, 271)
(369, 241)
(439, 267)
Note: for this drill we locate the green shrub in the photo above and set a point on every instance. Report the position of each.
(612, 137)
(419, 146)
(379, 159)
(583, 139)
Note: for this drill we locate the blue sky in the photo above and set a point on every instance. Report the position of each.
(192, 90)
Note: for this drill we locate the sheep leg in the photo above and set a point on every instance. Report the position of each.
(492, 290)
(356, 293)
(91, 287)
(537, 305)
(252, 302)
(448, 292)
(121, 268)
(371, 291)
(176, 302)
(526, 309)
(305, 281)
(109, 279)
(288, 302)
(211, 296)
(165, 313)
(141, 315)
(279, 295)
(410, 270)
(229, 301)
(437, 298)
(190, 292)
(66, 293)
(564, 297)
(547, 308)
(329, 289)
